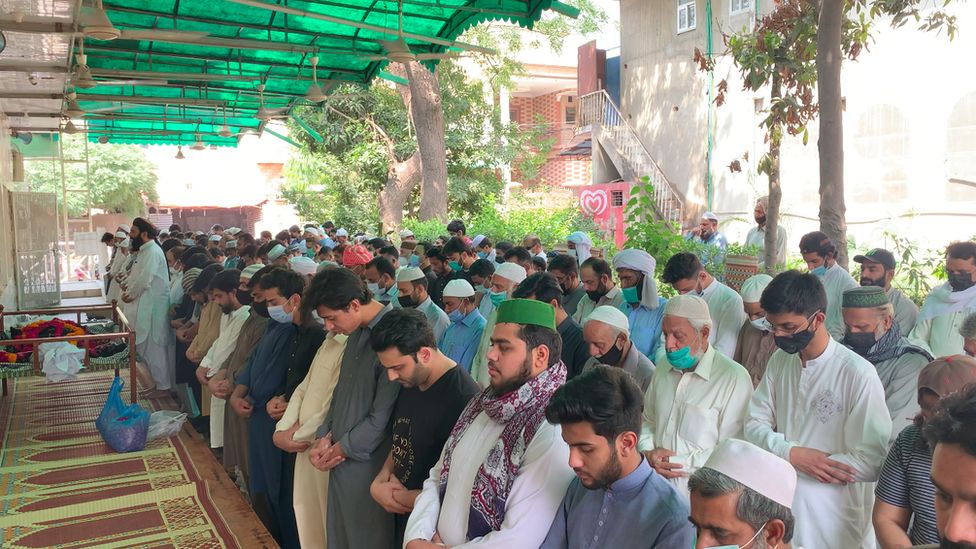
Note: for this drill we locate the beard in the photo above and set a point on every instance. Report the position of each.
(946, 544)
(136, 243)
(506, 386)
(227, 309)
(865, 281)
(608, 475)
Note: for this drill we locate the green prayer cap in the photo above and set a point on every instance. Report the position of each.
(865, 297)
(527, 311)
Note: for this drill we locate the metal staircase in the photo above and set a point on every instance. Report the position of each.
(602, 119)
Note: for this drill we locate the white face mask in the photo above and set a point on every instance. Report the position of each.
(760, 324)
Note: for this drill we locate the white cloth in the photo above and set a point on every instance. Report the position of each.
(757, 237)
(942, 314)
(148, 286)
(217, 354)
(535, 496)
(117, 270)
(176, 288)
(836, 281)
(583, 245)
(308, 405)
(728, 316)
(906, 311)
(639, 260)
(942, 301)
(835, 404)
(438, 319)
(691, 413)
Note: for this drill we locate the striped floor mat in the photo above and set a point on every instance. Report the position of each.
(61, 486)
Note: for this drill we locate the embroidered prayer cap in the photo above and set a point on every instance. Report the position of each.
(232, 231)
(231, 244)
(342, 232)
(356, 255)
(409, 274)
(293, 248)
(120, 234)
(968, 327)
(276, 251)
(527, 311)
(249, 271)
(762, 472)
(303, 265)
(456, 288)
(406, 233)
(611, 316)
(947, 375)
(710, 216)
(215, 238)
(512, 272)
(691, 307)
(189, 277)
(864, 297)
(753, 287)
(878, 255)
(327, 243)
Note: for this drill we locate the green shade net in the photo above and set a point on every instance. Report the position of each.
(141, 114)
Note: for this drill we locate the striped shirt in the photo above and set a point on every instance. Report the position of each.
(905, 482)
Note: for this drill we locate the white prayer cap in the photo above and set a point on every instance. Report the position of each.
(477, 240)
(215, 238)
(124, 227)
(512, 272)
(409, 274)
(249, 271)
(639, 260)
(276, 252)
(120, 234)
(342, 232)
(231, 244)
(197, 233)
(458, 288)
(303, 265)
(611, 316)
(710, 216)
(406, 233)
(753, 287)
(232, 230)
(691, 307)
(764, 473)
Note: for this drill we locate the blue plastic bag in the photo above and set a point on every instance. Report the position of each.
(123, 428)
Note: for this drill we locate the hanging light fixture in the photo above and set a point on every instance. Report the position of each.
(179, 152)
(70, 128)
(103, 139)
(82, 77)
(73, 109)
(314, 93)
(225, 129)
(198, 143)
(97, 25)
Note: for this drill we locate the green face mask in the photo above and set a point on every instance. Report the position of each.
(630, 295)
(681, 359)
(455, 266)
(497, 298)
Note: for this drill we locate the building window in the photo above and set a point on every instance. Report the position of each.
(616, 198)
(686, 15)
(882, 144)
(739, 6)
(961, 151)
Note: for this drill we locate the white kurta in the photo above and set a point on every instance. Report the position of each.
(691, 413)
(906, 311)
(219, 352)
(117, 269)
(836, 281)
(757, 237)
(942, 314)
(728, 316)
(614, 298)
(148, 286)
(835, 404)
(308, 405)
(532, 502)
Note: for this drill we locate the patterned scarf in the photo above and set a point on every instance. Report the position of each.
(521, 411)
(893, 345)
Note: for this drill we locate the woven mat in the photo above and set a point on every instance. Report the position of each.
(63, 487)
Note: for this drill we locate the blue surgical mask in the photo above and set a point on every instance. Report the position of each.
(374, 288)
(456, 315)
(682, 358)
(743, 546)
(455, 266)
(630, 295)
(278, 314)
(819, 271)
(760, 324)
(497, 297)
(414, 261)
(482, 255)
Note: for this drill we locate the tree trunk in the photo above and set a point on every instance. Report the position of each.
(428, 119)
(831, 140)
(771, 244)
(400, 181)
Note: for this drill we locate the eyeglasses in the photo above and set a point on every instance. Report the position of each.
(781, 332)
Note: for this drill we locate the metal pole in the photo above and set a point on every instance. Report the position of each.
(133, 380)
(64, 206)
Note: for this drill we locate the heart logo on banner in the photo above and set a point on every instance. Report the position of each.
(593, 202)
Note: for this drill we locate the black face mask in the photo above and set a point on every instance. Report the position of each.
(597, 295)
(865, 281)
(243, 297)
(860, 343)
(958, 281)
(611, 357)
(499, 259)
(795, 343)
(407, 301)
(261, 308)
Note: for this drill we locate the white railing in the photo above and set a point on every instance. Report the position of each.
(598, 110)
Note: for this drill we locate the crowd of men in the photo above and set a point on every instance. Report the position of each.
(465, 392)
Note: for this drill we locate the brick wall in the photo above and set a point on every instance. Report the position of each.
(558, 170)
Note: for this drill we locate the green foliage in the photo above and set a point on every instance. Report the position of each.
(119, 177)
(918, 270)
(323, 186)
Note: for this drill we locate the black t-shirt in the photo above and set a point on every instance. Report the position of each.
(423, 420)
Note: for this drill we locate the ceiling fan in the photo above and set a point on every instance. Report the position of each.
(265, 114)
(399, 52)
(95, 24)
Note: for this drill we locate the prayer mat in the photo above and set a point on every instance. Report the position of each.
(63, 487)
